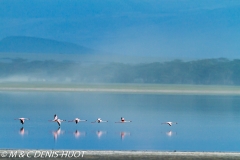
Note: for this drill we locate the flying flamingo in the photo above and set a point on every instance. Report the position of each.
(56, 119)
(59, 121)
(77, 120)
(99, 120)
(122, 120)
(22, 119)
(170, 123)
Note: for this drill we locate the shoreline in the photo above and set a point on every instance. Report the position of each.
(118, 155)
(124, 88)
(146, 91)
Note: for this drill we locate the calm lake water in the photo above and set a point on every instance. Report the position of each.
(205, 123)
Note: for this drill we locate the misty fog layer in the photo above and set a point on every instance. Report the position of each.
(206, 71)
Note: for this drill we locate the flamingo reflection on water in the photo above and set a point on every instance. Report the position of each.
(77, 134)
(100, 133)
(77, 120)
(170, 133)
(123, 134)
(57, 133)
(22, 132)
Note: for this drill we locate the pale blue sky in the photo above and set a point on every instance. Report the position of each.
(164, 28)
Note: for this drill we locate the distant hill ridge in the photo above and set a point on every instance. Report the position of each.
(24, 44)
